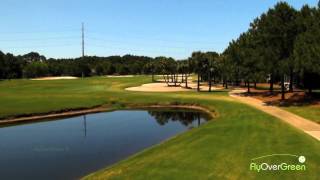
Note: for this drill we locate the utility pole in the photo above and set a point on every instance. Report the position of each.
(82, 40)
(82, 29)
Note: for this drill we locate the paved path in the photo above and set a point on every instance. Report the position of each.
(309, 127)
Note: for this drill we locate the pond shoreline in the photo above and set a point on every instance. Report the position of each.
(75, 112)
(99, 139)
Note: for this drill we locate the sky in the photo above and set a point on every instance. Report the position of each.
(172, 28)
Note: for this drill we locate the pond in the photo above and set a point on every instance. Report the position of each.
(72, 147)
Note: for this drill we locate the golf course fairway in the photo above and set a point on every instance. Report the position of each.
(223, 148)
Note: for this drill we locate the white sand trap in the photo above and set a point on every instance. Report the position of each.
(163, 87)
(121, 76)
(156, 87)
(55, 78)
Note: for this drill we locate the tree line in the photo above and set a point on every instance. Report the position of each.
(280, 46)
(33, 65)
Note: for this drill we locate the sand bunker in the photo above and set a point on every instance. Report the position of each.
(55, 78)
(163, 87)
(157, 87)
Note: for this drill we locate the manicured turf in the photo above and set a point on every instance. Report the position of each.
(308, 112)
(311, 112)
(223, 148)
(26, 96)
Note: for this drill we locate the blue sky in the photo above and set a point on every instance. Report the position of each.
(173, 28)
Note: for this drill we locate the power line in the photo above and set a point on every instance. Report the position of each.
(162, 40)
(45, 31)
(102, 39)
(104, 43)
(37, 46)
(40, 39)
(141, 44)
(134, 49)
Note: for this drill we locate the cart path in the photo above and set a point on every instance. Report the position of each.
(308, 126)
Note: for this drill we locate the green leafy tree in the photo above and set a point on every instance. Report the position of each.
(200, 63)
(35, 69)
(2, 66)
(152, 68)
(307, 47)
(168, 68)
(212, 60)
(278, 30)
(226, 67)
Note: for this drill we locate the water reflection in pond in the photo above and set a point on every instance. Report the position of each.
(73, 147)
(187, 118)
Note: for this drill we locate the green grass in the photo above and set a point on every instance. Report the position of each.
(308, 112)
(311, 112)
(19, 97)
(221, 149)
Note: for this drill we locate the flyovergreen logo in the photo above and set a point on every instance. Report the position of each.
(283, 166)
